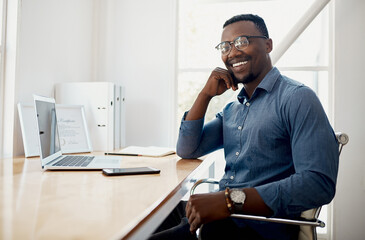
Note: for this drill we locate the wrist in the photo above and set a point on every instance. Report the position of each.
(206, 96)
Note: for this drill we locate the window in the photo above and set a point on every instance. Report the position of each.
(307, 60)
(8, 43)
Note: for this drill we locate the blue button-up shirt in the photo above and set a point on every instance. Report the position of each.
(278, 141)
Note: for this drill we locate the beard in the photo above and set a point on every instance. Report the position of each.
(244, 80)
(250, 77)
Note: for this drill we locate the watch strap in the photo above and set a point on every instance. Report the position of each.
(238, 207)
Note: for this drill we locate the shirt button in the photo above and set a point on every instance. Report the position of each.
(237, 153)
(239, 127)
(232, 177)
(247, 104)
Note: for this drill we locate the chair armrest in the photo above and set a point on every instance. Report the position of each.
(204, 180)
(298, 221)
(342, 139)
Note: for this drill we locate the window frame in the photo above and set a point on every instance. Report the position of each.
(3, 4)
(9, 37)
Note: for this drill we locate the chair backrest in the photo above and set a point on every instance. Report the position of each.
(308, 232)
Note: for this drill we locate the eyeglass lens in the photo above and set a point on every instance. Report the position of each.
(240, 43)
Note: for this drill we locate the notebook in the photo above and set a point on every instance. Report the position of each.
(49, 142)
(150, 151)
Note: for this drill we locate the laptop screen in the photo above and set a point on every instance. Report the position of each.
(47, 125)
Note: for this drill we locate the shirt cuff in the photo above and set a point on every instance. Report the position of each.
(271, 196)
(188, 127)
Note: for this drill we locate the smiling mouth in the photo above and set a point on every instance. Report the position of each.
(239, 64)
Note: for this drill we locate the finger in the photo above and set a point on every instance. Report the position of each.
(234, 83)
(194, 220)
(229, 76)
(195, 224)
(192, 228)
(219, 69)
(226, 77)
(191, 216)
(188, 209)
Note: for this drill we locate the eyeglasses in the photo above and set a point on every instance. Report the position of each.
(240, 43)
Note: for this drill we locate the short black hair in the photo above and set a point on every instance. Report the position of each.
(258, 21)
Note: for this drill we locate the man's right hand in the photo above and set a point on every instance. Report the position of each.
(219, 81)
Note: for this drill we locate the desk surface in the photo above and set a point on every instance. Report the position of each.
(88, 205)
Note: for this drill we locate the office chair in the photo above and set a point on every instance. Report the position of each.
(308, 220)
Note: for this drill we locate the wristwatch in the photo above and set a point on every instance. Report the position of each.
(238, 198)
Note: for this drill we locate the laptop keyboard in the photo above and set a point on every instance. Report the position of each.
(75, 161)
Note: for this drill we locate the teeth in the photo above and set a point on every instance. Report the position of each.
(239, 64)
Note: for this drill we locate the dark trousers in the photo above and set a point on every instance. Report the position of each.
(176, 227)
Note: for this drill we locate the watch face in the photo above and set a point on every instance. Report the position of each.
(238, 196)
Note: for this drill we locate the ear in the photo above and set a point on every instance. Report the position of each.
(268, 45)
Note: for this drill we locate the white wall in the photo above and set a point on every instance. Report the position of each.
(136, 49)
(129, 42)
(56, 43)
(349, 213)
(143, 60)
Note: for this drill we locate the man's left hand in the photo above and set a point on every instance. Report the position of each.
(203, 208)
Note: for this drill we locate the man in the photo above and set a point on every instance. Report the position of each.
(280, 150)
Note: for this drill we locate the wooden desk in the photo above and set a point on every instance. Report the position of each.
(38, 204)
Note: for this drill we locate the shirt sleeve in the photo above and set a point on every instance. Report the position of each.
(315, 158)
(196, 139)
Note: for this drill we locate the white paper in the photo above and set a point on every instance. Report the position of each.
(148, 151)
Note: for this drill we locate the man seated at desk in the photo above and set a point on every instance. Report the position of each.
(281, 152)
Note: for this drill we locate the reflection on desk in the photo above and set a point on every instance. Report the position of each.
(86, 204)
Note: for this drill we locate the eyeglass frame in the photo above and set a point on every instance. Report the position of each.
(230, 43)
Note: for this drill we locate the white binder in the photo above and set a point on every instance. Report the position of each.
(117, 108)
(122, 118)
(119, 117)
(98, 99)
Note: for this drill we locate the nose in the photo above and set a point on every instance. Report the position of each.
(234, 52)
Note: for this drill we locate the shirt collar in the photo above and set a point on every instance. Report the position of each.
(267, 84)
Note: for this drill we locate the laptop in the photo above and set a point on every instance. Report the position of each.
(49, 142)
